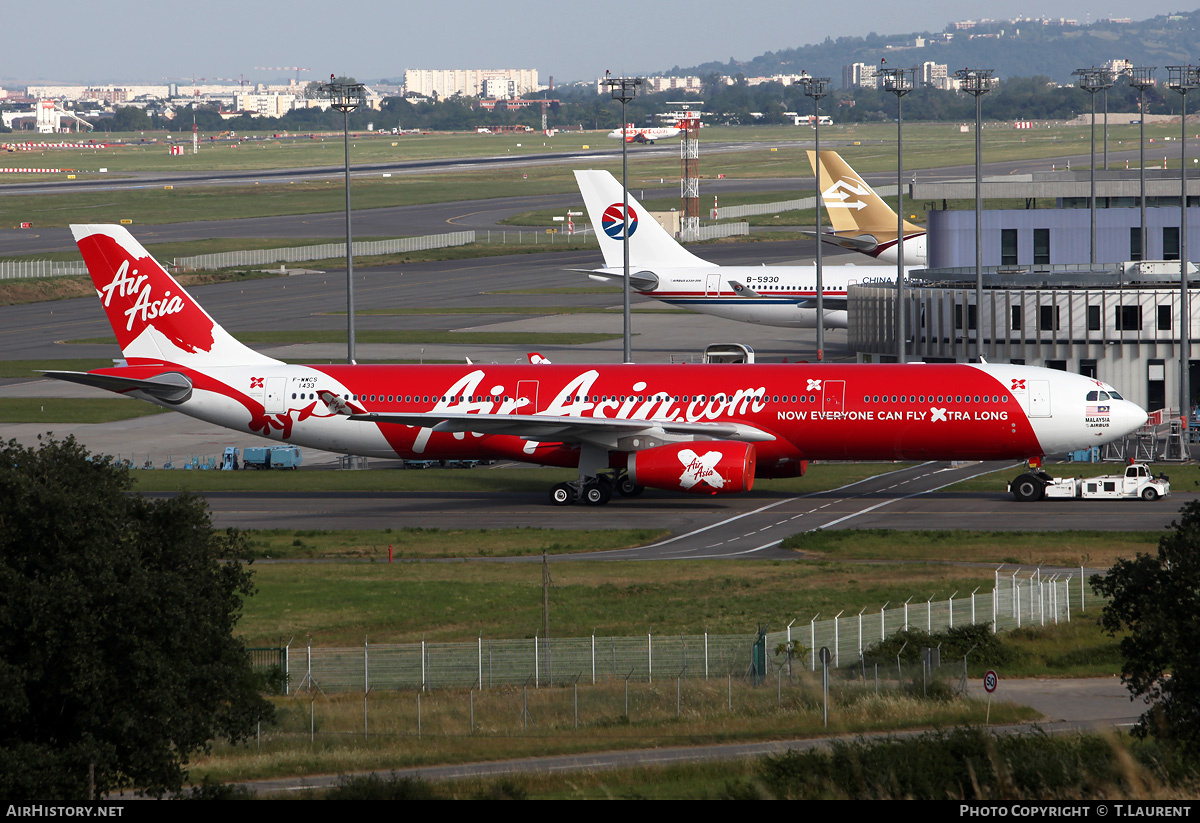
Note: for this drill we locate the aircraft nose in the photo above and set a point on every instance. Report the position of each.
(1131, 417)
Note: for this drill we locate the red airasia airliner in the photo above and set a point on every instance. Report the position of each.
(706, 429)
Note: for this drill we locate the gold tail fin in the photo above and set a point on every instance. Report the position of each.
(852, 205)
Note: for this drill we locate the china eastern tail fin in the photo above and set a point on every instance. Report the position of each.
(650, 246)
(154, 319)
(852, 205)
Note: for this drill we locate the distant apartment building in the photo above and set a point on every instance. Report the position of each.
(498, 87)
(111, 94)
(859, 76)
(784, 79)
(691, 84)
(1119, 66)
(933, 74)
(444, 83)
(264, 105)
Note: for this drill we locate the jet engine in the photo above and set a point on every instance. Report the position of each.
(698, 466)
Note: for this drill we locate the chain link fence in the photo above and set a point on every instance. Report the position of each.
(537, 662)
(29, 269)
(1019, 598)
(322, 251)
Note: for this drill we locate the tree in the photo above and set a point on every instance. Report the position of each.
(128, 118)
(117, 654)
(1156, 600)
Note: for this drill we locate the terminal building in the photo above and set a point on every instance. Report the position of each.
(1036, 237)
(1043, 304)
(1118, 324)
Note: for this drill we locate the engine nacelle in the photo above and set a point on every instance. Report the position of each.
(699, 467)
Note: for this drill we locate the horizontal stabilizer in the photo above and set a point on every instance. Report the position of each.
(638, 280)
(742, 290)
(171, 387)
(861, 242)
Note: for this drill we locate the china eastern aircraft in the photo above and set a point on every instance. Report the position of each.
(703, 429)
(661, 268)
(648, 134)
(861, 220)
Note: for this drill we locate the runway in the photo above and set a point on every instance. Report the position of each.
(749, 526)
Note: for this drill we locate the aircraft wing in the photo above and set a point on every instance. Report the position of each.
(639, 280)
(171, 387)
(612, 433)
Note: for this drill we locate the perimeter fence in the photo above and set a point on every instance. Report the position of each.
(799, 204)
(1019, 598)
(322, 251)
(29, 269)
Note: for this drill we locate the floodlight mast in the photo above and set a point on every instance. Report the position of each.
(624, 89)
(1184, 79)
(900, 82)
(1093, 80)
(816, 88)
(977, 82)
(346, 97)
(1142, 78)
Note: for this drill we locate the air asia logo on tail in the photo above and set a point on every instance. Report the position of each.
(140, 294)
(144, 307)
(613, 221)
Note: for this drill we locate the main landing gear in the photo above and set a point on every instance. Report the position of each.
(596, 490)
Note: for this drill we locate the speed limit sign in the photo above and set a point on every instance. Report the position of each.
(990, 681)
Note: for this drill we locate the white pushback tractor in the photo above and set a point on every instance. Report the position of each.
(1137, 482)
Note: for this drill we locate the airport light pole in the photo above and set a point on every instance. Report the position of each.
(816, 88)
(346, 96)
(977, 82)
(624, 89)
(1184, 79)
(900, 82)
(1093, 80)
(1142, 78)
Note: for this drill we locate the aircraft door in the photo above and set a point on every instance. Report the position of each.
(527, 396)
(833, 396)
(276, 399)
(712, 285)
(1039, 398)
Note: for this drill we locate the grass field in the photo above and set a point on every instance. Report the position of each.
(432, 544)
(926, 146)
(338, 604)
(72, 410)
(1066, 548)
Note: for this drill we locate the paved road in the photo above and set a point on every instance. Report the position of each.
(748, 526)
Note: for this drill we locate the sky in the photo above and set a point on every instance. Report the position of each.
(154, 42)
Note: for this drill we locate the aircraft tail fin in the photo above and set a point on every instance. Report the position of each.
(852, 205)
(650, 246)
(153, 318)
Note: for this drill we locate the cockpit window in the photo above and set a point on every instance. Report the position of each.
(1115, 396)
(1093, 396)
